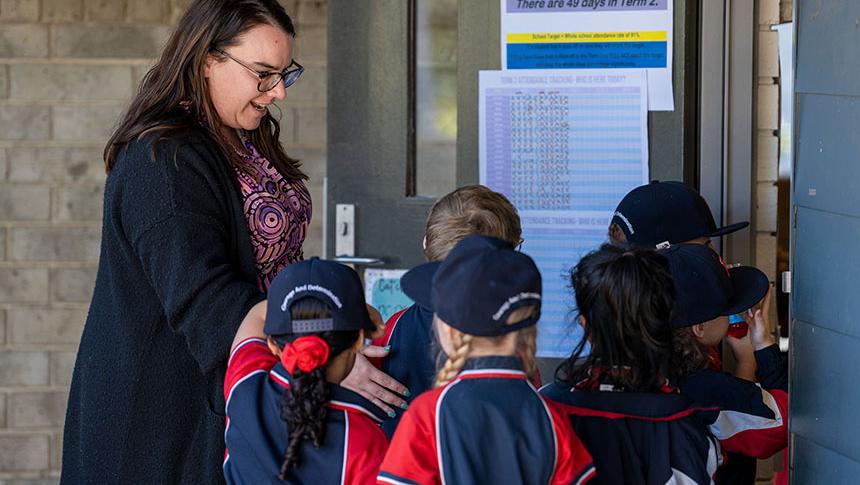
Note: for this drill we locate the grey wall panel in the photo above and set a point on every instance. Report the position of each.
(827, 60)
(823, 466)
(827, 267)
(826, 390)
(828, 146)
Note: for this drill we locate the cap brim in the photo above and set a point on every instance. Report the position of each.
(418, 281)
(750, 286)
(728, 229)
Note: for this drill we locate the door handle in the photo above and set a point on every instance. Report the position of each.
(359, 261)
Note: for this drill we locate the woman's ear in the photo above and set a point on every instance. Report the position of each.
(273, 346)
(207, 64)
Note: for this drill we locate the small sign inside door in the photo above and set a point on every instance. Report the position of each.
(382, 291)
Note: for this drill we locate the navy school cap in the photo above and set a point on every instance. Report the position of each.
(481, 282)
(334, 284)
(667, 212)
(707, 289)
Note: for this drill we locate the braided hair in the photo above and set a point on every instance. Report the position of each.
(303, 406)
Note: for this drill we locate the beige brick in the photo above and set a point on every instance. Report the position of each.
(46, 82)
(62, 10)
(33, 481)
(36, 409)
(25, 122)
(53, 244)
(768, 54)
(767, 158)
(313, 162)
(73, 284)
(2, 252)
(111, 41)
(310, 45)
(104, 10)
(56, 458)
(310, 13)
(286, 116)
(177, 9)
(2, 413)
(768, 107)
(23, 40)
(768, 12)
(138, 73)
(310, 89)
(4, 165)
(23, 285)
(62, 366)
(24, 202)
(311, 126)
(24, 368)
(2, 326)
(23, 452)
(766, 194)
(765, 254)
(19, 10)
(146, 10)
(4, 82)
(44, 326)
(78, 203)
(785, 11)
(87, 123)
(56, 165)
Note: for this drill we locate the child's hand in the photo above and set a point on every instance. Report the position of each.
(376, 318)
(742, 349)
(758, 319)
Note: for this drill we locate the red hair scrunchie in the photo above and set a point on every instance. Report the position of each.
(306, 353)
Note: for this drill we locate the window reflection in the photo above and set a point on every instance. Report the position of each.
(436, 96)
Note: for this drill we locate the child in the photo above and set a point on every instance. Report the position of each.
(472, 209)
(484, 422)
(751, 421)
(624, 407)
(287, 417)
(663, 213)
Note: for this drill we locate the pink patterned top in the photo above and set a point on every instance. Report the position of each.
(278, 213)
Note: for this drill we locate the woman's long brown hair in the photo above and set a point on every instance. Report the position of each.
(174, 97)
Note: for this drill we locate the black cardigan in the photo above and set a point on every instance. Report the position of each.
(176, 276)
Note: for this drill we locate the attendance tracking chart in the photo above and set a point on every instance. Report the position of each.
(564, 146)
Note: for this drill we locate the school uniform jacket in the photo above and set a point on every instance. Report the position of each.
(489, 425)
(409, 332)
(257, 437)
(751, 419)
(640, 438)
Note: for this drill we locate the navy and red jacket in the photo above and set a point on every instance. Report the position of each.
(257, 437)
(409, 332)
(640, 438)
(489, 425)
(751, 419)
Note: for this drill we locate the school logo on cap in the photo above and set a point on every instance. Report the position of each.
(626, 222)
(304, 288)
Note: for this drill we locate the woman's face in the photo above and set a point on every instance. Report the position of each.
(233, 88)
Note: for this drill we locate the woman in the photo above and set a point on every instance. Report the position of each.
(202, 208)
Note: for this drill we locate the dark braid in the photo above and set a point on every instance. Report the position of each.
(304, 404)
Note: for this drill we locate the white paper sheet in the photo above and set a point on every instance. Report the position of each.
(564, 146)
(592, 34)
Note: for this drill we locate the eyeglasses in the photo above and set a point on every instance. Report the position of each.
(270, 79)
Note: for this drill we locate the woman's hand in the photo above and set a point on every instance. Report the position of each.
(758, 319)
(373, 384)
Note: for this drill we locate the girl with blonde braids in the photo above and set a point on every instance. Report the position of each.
(484, 422)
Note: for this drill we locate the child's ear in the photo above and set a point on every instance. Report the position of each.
(273, 346)
(359, 342)
(581, 321)
(698, 330)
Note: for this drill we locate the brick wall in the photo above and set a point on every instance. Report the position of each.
(67, 69)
